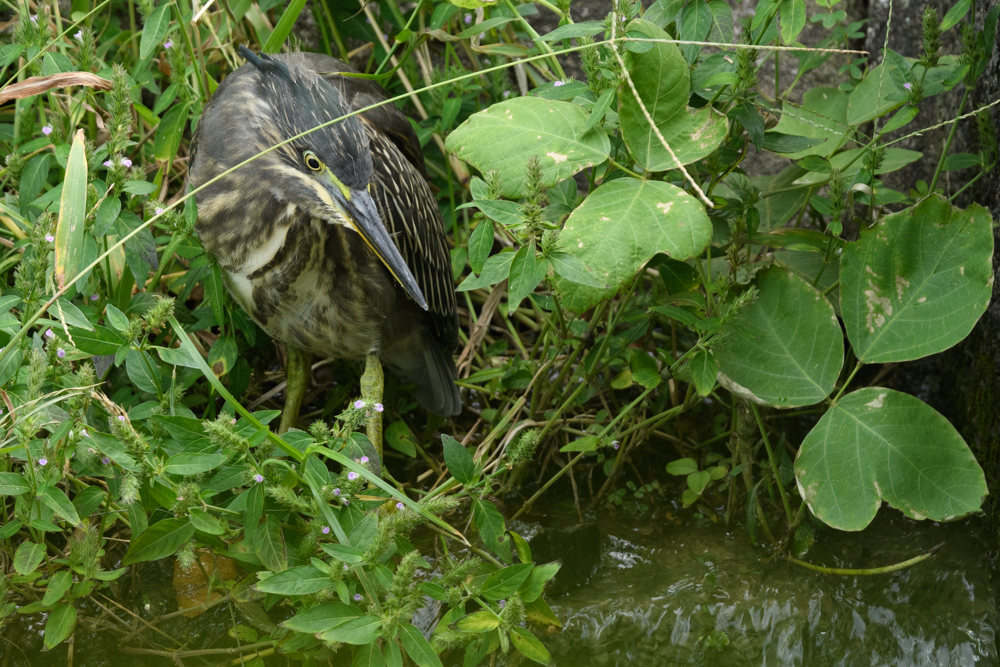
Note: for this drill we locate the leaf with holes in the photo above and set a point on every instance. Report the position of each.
(663, 80)
(506, 135)
(917, 282)
(786, 349)
(877, 444)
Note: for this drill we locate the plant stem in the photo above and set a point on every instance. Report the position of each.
(774, 464)
(947, 143)
(851, 572)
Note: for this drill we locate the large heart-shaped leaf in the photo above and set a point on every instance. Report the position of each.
(622, 225)
(663, 80)
(877, 444)
(505, 136)
(785, 349)
(917, 282)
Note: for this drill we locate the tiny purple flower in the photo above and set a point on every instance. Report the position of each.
(121, 418)
(357, 597)
(908, 85)
(352, 475)
(47, 130)
(378, 407)
(336, 492)
(169, 44)
(345, 567)
(34, 19)
(502, 603)
(158, 210)
(105, 460)
(359, 404)
(558, 83)
(364, 459)
(79, 35)
(399, 506)
(326, 530)
(49, 238)
(345, 501)
(43, 461)
(60, 352)
(126, 162)
(94, 297)
(258, 478)
(48, 333)
(468, 19)
(109, 164)
(506, 94)
(615, 444)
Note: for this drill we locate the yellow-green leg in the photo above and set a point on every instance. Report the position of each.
(372, 386)
(297, 381)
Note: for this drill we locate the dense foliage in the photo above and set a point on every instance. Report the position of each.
(632, 290)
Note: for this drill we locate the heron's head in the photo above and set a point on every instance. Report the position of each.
(326, 173)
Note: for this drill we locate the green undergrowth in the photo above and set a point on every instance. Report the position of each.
(645, 316)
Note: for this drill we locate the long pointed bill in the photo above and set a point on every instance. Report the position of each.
(364, 217)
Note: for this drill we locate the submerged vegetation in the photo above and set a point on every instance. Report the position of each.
(635, 287)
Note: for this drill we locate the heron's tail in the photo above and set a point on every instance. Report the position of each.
(422, 361)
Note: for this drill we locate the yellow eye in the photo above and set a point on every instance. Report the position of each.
(312, 161)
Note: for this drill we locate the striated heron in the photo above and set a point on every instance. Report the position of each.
(333, 243)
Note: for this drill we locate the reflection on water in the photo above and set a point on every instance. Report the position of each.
(668, 593)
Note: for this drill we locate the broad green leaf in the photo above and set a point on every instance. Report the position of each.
(848, 163)
(66, 311)
(57, 500)
(529, 646)
(622, 225)
(662, 78)
(479, 621)
(786, 349)
(361, 630)
(876, 95)
(417, 647)
(573, 268)
(496, 269)
(776, 142)
(72, 213)
(902, 118)
(822, 115)
(955, 14)
(600, 109)
(102, 341)
(160, 540)
(295, 581)
(793, 19)
(504, 583)
(284, 26)
(169, 133)
(533, 586)
(684, 466)
(505, 212)
(142, 370)
(344, 553)
(506, 135)
(526, 271)
(480, 245)
(58, 585)
(704, 370)
(917, 282)
(322, 617)
(154, 30)
(28, 556)
(878, 444)
(176, 356)
(492, 529)
(581, 29)
(12, 484)
(722, 22)
(193, 463)
(399, 436)
(60, 625)
(269, 546)
(205, 522)
(458, 459)
(369, 655)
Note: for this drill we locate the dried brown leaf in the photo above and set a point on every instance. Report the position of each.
(39, 84)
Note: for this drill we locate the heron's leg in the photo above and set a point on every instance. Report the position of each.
(372, 385)
(297, 380)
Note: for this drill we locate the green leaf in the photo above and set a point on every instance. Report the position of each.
(496, 268)
(361, 630)
(479, 621)
(955, 14)
(848, 163)
(506, 135)
(344, 553)
(676, 313)
(722, 21)
(66, 311)
(295, 581)
(622, 225)
(28, 556)
(368, 655)
(526, 271)
(529, 646)
(822, 115)
(901, 119)
(480, 245)
(401, 438)
(776, 142)
(573, 268)
(284, 26)
(684, 466)
(72, 213)
(193, 463)
(704, 370)
(533, 586)
(12, 484)
(505, 212)
(169, 133)
(698, 481)
(877, 444)
(490, 524)
(60, 582)
(458, 459)
(322, 617)
(662, 78)
(142, 371)
(600, 109)
(160, 540)
(793, 19)
(785, 349)
(60, 625)
(155, 30)
(417, 647)
(269, 546)
(570, 30)
(917, 282)
(205, 522)
(102, 341)
(57, 500)
(876, 95)
(504, 583)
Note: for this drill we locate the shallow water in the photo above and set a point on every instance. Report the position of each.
(689, 592)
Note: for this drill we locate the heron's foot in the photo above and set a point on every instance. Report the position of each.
(372, 386)
(297, 381)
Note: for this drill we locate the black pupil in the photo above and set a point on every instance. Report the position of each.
(312, 162)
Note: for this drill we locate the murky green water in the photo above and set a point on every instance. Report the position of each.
(674, 593)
